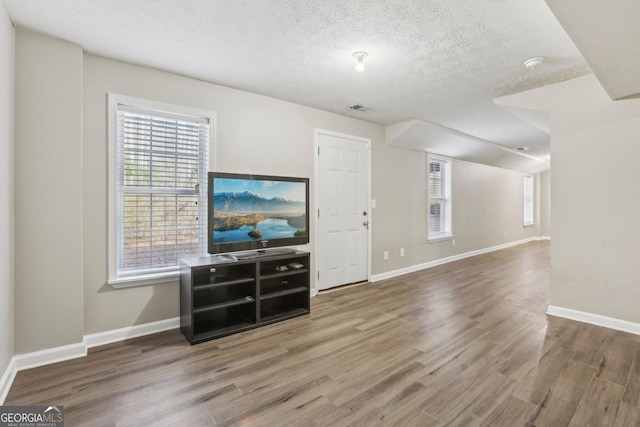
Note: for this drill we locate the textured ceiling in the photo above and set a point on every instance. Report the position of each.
(440, 61)
(608, 36)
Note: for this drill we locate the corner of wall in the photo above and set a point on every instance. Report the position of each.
(49, 153)
(7, 227)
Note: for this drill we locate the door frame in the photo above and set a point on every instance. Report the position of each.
(316, 202)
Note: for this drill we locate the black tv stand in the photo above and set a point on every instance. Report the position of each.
(221, 296)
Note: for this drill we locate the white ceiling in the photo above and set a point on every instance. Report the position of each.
(441, 62)
(608, 36)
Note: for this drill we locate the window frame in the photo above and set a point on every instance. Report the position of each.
(528, 196)
(169, 274)
(447, 199)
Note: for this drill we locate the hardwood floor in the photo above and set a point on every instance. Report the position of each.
(462, 344)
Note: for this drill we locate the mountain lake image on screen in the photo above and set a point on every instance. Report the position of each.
(257, 209)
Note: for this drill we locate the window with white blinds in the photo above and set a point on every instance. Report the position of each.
(159, 180)
(439, 197)
(528, 199)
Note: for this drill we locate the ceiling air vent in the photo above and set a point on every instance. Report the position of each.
(358, 107)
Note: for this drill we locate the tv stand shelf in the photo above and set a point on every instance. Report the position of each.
(221, 296)
(224, 282)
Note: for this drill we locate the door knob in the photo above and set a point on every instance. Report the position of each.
(365, 223)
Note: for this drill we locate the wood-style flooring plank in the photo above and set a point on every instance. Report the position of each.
(510, 412)
(462, 344)
(632, 386)
(599, 404)
(564, 394)
(627, 416)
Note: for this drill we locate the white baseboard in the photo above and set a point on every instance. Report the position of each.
(115, 335)
(434, 263)
(49, 356)
(594, 319)
(7, 379)
(21, 362)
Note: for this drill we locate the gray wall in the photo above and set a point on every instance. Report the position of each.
(7, 35)
(595, 147)
(255, 134)
(48, 193)
(545, 203)
(487, 202)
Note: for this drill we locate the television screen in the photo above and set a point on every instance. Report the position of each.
(256, 212)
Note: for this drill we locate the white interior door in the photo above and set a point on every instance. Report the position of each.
(343, 209)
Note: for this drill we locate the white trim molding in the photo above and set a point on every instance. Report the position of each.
(21, 362)
(51, 355)
(115, 335)
(440, 261)
(7, 380)
(594, 319)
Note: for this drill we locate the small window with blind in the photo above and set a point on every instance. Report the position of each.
(159, 158)
(528, 200)
(439, 198)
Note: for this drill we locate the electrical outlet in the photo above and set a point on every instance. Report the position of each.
(505, 233)
(386, 255)
(401, 251)
(453, 242)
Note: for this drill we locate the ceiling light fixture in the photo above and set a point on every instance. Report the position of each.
(359, 56)
(532, 63)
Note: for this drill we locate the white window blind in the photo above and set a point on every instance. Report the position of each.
(439, 197)
(528, 199)
(161, 190)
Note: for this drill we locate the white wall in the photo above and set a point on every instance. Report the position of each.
(7, 36)
(48, 191)
(595, 147)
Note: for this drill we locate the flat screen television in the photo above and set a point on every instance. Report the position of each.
(256, 212)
